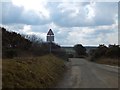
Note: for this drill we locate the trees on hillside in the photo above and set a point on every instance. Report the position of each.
(112, 51)
(80, 50)
(14, 40)
(14, 45)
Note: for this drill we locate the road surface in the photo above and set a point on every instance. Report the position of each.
(84, 74)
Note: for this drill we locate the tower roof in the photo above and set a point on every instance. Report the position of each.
(50, 32)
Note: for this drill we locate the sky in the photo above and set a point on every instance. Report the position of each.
(88, 23)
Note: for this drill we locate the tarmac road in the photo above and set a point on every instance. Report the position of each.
(84, 74)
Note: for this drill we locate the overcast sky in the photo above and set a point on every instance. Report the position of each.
(88, 23)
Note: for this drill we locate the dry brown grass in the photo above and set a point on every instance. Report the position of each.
(109, 61)
(39, 72)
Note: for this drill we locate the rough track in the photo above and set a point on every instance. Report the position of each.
(84, 74)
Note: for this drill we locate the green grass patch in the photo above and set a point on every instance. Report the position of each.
(34, 72)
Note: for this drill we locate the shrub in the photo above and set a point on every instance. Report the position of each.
(10, 53)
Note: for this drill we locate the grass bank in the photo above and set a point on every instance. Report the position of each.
(39, 72)
(109, 61)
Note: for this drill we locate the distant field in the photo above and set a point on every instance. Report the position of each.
(70, 50)
(40, 72)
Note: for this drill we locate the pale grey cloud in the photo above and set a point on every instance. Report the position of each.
(89, 23)
(12, 14)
